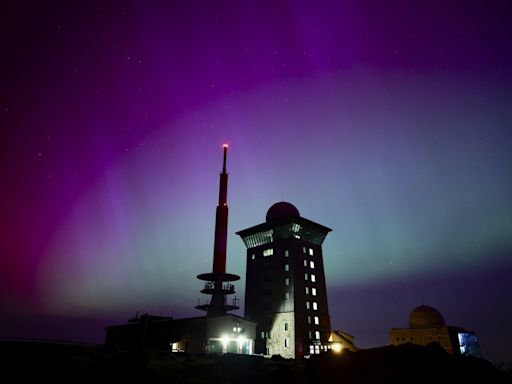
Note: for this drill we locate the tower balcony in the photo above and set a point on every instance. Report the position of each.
(225, 289)
(221, 309)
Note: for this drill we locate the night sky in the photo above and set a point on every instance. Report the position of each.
(389, 122)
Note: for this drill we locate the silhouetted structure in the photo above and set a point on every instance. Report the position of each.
(427, 325)
(285, 284)
(218, 332)
(340, 340)
(215, 285)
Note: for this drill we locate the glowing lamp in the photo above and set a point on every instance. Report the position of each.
(224, 339)
(241, 340)
(337, 347)
(224, 145)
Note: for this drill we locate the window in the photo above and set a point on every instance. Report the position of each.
(287, 296)
(305, 263)
(286, 253)
(262, 334)
(268, 252)
(313, 278)
(317, 335)
(306, 276)
(307, 304)
(303, 249)
(307, 290)
(253, 256)
(312, 264)
(317, 320)
(313, 291)
(285, 326)
(309, 319)
(286, 342)
(287, 267)
(287, 281)
(315, 306)
(311, 251)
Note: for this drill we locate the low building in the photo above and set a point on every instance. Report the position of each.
(427, 325)
(220, 334)
(340, 341)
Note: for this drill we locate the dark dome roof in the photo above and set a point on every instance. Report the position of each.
(425, 317)
(282, 209)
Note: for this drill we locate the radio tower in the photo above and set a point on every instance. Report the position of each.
(217, 282)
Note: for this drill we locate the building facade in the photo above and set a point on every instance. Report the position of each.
(285, 284)
(427, 325)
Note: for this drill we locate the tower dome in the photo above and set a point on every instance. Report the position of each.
(281, 209)
(425, 317)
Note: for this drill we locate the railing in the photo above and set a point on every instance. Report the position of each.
(225, 287)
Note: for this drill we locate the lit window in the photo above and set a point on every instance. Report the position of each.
(286, 295)
(285, 326)
(286, 253)
(268, 252)
(287, 267)
(317, 335)
(262, 334)
(303, 249)
(310, 334)
(313, 278)
(309, 319)
(306, 276)
(313, 291)
(307, 290)
(253, 256)
(287, 281)
(305, 263)
(317, 320)
(307, 304)
(315, 306)
(311, 251)
(286, 342)
(312, 264)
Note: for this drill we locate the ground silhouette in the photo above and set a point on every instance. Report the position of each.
(60, 363)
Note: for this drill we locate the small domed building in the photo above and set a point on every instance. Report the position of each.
(427, 325)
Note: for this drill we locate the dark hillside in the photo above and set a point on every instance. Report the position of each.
(60, 363)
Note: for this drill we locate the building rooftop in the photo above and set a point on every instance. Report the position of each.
(280, 210)
(425, 317)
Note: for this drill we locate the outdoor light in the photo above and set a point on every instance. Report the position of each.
(337, 347)
(224, 339)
